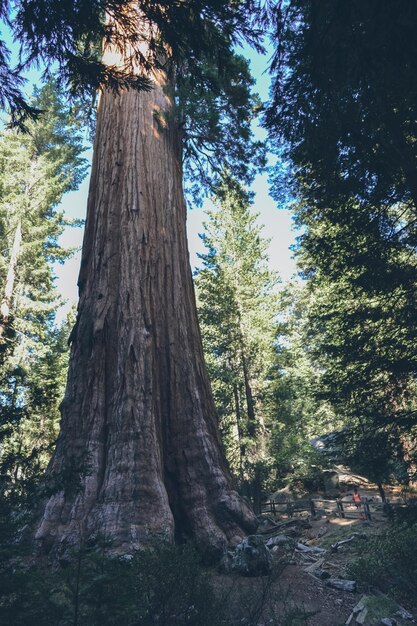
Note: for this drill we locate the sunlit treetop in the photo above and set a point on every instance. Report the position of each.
(68, 36)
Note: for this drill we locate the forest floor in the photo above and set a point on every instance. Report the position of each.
(295, 596)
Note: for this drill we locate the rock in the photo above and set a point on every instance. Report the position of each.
(249, 558)
(282, 496)
(331, 482)
(235, 541)
(387, 621)
(343, 585)
(278, 540)
(404, 614)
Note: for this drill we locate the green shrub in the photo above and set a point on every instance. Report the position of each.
(406, 514)
(165, 586)
(389, 562)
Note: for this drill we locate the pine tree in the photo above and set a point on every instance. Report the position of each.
(237, 309)
(362, 335)
(300, 414)
(36, 170)
(343, 111)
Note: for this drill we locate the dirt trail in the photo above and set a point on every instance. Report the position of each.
(297, 591)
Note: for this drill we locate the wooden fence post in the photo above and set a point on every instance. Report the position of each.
(312, 509)
(340, 508)
(366, 509)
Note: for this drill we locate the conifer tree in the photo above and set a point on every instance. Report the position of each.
(238, 307)
(300, 414)
(37, 168)
(343, 109)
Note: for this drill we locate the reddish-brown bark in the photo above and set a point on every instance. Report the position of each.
(138, 405)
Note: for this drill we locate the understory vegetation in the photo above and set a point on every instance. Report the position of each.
(388, 562)
(92, 588)
(166, 585)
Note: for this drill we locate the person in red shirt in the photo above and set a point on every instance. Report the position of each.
(356, 498)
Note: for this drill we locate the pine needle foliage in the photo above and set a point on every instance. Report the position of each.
(37, 168)
(343, 112)
(67, 37)
(238, 307)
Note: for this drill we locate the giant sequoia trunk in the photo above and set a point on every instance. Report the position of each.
(138, 414)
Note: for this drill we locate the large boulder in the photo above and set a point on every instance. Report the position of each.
(282, 496)
(331, 482)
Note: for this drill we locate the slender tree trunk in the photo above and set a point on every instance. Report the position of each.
(381, 492)
(249, 397)
(10, 281)
(138, 405)
(239, 430)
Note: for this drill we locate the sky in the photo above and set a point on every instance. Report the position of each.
(276, 220)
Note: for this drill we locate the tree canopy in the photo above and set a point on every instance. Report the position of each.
(344, 98)
(343, 111)
(238, 307)
(67, 37)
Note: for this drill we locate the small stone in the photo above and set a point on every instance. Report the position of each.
(343, 585)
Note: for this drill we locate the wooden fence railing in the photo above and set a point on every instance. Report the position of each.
(312, 507)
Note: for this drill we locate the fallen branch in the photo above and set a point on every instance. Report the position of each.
(337, 545)
(300, 547)
(314, 566)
